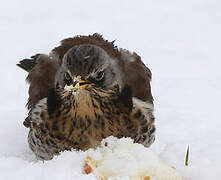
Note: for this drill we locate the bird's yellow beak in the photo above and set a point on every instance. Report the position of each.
(81, 84)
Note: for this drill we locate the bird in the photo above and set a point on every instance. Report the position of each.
(84, 90)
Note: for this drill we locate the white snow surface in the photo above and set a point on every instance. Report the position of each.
(179, 41)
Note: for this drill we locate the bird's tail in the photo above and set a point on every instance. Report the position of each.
(28, 64)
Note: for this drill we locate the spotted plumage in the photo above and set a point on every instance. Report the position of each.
(85, 91)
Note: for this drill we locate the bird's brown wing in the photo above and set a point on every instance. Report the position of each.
(42, 70)
(137, 76)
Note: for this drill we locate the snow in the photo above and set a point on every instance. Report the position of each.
(178, 40)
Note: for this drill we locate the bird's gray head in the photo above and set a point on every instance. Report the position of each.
(89, 65)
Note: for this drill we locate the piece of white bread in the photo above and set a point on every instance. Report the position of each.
(123, 159)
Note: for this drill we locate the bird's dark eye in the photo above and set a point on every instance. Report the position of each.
(99, 76)
(67, 79)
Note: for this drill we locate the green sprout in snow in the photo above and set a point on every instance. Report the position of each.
(187, 156)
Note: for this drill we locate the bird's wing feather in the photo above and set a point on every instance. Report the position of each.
(143, 117)
(28, 64)
(41, 77)
(137, 76)
(37, 114)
